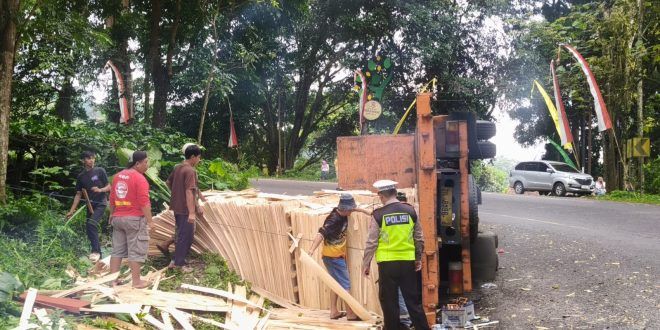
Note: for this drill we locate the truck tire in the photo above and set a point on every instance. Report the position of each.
(485, 129)
(473, 199)
(484, 150)
(485, 260)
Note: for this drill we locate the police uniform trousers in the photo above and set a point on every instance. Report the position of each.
(394, 275)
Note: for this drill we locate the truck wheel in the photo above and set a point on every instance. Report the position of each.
(484, 150)
(559, 189)
(474, 207)
(485, 129)
(485, 260)
(519, 188)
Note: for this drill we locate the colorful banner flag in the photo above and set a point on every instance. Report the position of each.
(233, 139)
(124, 116)
(604, 122)
(553, 112)
(363, 94)
(567, 136)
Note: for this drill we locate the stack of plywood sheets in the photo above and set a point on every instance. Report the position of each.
(254, 231)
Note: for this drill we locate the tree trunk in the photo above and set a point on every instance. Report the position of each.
(64, 97)
(209, 79)
(8, 17)
(158, 71)
(640, 88)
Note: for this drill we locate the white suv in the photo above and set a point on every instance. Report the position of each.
(550, 177)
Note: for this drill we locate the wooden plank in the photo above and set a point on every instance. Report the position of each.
(318, 271)
(67, 304)
(154, 322)
(221, 293)
(110, 293)
(183, 318)
(87, 285)
(154, 288)
(166, 320)
(27, 308)
(114, 308)
(426, 185)
(171, 299)
(362, 160)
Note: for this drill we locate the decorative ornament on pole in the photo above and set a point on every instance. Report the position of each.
(370, 83)
(124, 115)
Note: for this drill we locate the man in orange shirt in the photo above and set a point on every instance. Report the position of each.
(130, 217)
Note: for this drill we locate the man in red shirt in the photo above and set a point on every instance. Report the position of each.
(130, 217)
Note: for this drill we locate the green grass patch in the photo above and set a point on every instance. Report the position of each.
(630, 197)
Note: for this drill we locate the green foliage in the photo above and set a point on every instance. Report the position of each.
(652, 177)
(630, 197)
(219, 174)
(489, 177)
(37, 248)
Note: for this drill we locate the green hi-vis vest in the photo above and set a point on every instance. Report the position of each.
(396, 223)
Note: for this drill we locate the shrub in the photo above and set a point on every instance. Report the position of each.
(652, 176)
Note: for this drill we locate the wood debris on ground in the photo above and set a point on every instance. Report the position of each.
(254, 231)
(263, 238)
(171, 310)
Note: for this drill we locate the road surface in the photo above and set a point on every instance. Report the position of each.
(573, 262)
(564, 262)
(291, 187)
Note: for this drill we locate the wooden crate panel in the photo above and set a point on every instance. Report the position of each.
(362, 160)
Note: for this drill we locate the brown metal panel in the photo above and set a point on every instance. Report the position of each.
(426, 192)
(362, 160)
(465, 213)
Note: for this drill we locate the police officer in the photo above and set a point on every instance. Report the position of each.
(395, 236)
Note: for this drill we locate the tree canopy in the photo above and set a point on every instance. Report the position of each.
(284, 69)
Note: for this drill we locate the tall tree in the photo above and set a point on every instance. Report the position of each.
(8, 21)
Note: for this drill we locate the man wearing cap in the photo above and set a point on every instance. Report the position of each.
(183, 183)
(94, 181)
(395, 237)
(130, 217)
(333, 235)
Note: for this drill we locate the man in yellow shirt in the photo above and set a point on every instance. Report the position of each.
(333, 236)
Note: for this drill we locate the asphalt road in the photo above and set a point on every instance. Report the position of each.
(291, 187)
(564, 262)
(573, 263)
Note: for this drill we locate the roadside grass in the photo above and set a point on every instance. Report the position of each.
(630, 197)
(39, 249)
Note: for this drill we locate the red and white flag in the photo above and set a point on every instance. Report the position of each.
(604, 122)
(564, 128)
(124, 116)
(233, 139)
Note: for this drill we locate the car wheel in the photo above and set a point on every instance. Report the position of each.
(559, 189)
(544, 193)
(518, 187)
